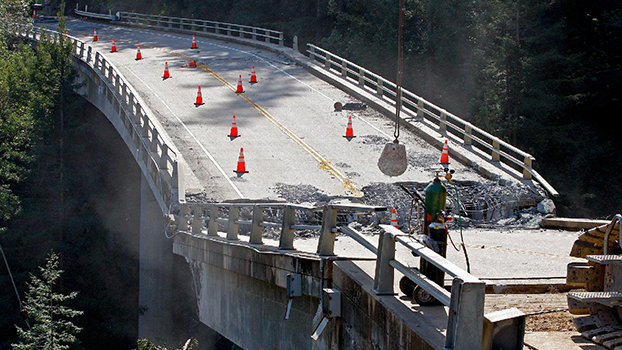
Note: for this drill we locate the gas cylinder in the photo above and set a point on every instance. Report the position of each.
(435, 202)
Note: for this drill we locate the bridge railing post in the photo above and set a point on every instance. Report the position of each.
(327, 61)
(154, 140)
(420, 107)
(383, 279)
(124, 94)
(164, 156)
(527, 166)
(443, 122)
(143, 122)
(82, 50)
(182, 220)
(361, 76)
(267, 33)
(212, 225)
(295, 43)
(286, 241)
(468, 133)
(117, 83)
(281, 40)
(496, 156)
(256, 228)
(379, 89)
(326, 244)
(233, 226)
(197, 219)
(465, 324)
(344, 68)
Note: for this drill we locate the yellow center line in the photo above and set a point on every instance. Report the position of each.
(518, 251)
(324, 163)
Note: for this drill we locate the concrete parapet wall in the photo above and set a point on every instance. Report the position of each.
(370, 321)
(241, 293)
(267, 265)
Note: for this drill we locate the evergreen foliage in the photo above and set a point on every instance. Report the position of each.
(52, 328)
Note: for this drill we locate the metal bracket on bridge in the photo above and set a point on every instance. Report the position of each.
(294, 289)
(331, 308)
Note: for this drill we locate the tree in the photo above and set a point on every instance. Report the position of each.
(51, 329)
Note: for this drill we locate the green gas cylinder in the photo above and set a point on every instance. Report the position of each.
(435, 201)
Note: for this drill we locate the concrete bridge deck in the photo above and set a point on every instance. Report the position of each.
(290, 132)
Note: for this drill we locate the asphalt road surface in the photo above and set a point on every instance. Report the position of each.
(289, 130)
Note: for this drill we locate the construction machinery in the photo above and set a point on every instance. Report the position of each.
(599, 307)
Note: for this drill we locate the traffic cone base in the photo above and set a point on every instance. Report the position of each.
(349, 131)
(166, 72)
(240, 89)
(114, 47)
(241, 169)
(253, 77)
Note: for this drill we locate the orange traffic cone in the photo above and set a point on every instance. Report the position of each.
(139, 56)
(199, 98)
(240, 88)
(234, 129)
(349, 131)
(114, 47)
(394, 218)
(253, 77)
(94, 34)
(194, 43)
(166, 73)
(445, 156)
(191, 64)
(241, 169)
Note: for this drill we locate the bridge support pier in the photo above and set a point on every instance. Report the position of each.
(156, 271)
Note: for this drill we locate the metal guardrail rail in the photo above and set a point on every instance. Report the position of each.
(191, 25)
(465, 324)
(154, 149)
(471, 135)
(444, 121)
(86, 13)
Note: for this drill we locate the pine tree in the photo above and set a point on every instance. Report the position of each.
(51, 329)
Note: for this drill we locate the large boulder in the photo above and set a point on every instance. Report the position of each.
(546, 207)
